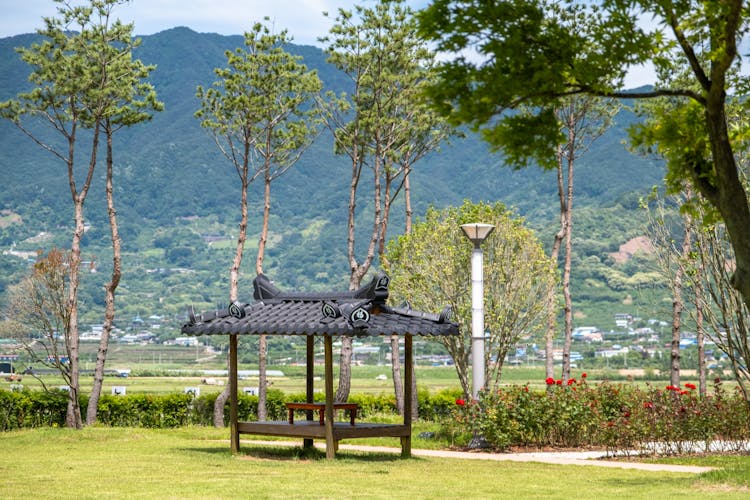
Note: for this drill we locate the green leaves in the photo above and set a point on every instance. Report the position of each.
(430, 268)
(261, 103)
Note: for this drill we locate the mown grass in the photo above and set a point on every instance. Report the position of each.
(195, 463)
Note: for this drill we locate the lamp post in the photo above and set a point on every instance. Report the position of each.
(477, 233)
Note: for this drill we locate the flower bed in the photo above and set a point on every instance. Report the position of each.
(621, 418)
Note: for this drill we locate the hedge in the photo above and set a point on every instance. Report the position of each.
(29, 409)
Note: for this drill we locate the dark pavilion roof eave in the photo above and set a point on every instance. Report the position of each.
(358, 313)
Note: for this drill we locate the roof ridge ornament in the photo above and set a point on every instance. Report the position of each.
(237, 310)
(330, 310)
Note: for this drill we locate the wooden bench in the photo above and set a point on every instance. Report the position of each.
(321, 409)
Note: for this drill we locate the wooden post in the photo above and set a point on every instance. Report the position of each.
(233, 414)
(408, 374)
(310, 382)
(330, 442)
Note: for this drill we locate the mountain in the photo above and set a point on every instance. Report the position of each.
(178, 198)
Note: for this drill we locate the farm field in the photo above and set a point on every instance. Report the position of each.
(162, 369)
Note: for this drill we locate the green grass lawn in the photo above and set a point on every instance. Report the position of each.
(196, 463)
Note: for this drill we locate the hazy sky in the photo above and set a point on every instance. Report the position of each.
(303, 19)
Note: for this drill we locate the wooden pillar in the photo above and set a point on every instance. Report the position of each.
(408, 374)
(310, 382)
(233, 413)
(330, 442)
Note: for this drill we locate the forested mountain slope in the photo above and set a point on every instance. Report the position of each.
(178, 198)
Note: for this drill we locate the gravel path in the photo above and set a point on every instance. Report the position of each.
(587, 458)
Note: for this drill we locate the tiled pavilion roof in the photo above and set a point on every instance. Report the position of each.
(361, 312)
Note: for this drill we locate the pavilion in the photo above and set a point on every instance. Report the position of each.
(358, 313)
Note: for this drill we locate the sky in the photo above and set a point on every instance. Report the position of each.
(303, 19)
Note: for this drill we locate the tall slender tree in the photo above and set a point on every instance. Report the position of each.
(673, 240)
(583, 119)
(130, 100)
(79, 81)
(383, 125)
(262, 117)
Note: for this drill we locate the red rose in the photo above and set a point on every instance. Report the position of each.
(460, 402)
(549, 381)
(690, 386)
(583, 375)
(648, 405)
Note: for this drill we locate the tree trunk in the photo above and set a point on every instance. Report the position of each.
(414, 395)
(221, 401)
(407, 203)
(109, 299)
(699, 327)
(398, 386)
(549, 361)
(568, 308)
(345, 371)
(728, 195)
(234, 273)
(72, 340)
(263, 341)
(73, 415)
(567, 213)
(262, 378)
(674, 366)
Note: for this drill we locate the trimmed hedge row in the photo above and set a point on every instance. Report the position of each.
(26, 408)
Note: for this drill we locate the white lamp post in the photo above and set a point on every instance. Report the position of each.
(477, 233)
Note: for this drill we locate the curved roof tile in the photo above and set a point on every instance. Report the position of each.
(362, 312)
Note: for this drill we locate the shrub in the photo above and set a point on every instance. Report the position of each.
(40, 408)
(619, 417)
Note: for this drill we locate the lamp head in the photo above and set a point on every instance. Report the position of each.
(477, 232)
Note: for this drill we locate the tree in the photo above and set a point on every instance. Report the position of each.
(382, 125)
(429, 270)
(583, 119)
(535, 53)
(720, 304)
(80, 78)
(261, 116)
(674, 260)
(129, 100)
(38, 311)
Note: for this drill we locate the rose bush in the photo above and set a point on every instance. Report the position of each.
(619, 417)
